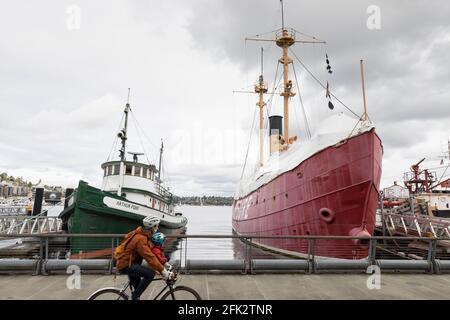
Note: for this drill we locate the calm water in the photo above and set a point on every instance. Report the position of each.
(202, 220)
(213, 220)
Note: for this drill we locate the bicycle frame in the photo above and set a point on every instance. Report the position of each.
(169, 284)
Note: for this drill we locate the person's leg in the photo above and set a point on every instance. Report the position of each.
(134, 279)
(143, 272)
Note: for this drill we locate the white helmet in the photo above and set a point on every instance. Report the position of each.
(150, 221)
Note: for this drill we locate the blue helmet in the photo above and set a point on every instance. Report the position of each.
(158, 238)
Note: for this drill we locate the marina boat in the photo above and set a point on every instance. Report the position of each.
(131, 190)
(323, 185)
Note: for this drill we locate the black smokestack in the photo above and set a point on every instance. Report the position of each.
(276, 125)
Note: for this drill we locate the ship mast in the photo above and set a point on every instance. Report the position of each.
(123, 136)
(285, 38)
(284, 41)
(364, 117)
(160, 161)
(261, 89)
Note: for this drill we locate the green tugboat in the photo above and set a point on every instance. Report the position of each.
(130, 191)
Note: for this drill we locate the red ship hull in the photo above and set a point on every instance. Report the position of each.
(332, 193)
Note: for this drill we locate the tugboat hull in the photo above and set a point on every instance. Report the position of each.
(92, 211)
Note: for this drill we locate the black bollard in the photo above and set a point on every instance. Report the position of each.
(39, 195)
(69, 192)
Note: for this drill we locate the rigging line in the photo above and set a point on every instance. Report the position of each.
(442, 176)
(441, 167)
(115, 139)
(322, 85)
(261, 34)
(306, 35)
(269, 104)
(139, 136)
(246, 68)
(165, 174)
(271, 100)
(167, 179)
(275, 85)
(297, 118)
(266, 124)
(145, 135)
(357, 122)
(308, 131)
(249, 141)
(115, 146)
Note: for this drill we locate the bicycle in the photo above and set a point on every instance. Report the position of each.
(173, 293)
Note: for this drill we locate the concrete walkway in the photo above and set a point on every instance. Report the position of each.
(232, 287)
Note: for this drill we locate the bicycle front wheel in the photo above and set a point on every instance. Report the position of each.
(181, 293)
(108, 294)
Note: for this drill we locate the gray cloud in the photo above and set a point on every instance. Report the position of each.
(62, 92)
(406, 76)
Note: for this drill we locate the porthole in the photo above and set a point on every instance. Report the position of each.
(326, 214)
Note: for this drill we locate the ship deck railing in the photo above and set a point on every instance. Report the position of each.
(52, 253)
(22, 224)
(420, 225)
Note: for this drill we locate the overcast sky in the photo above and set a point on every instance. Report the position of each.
(65, 67)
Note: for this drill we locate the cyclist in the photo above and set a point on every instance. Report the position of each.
(136, 250)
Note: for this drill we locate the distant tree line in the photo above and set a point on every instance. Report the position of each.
(204, 200)
(16, 180)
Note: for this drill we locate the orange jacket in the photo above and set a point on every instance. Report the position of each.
(138, 248)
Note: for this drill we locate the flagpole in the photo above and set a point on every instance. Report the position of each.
(282, 15)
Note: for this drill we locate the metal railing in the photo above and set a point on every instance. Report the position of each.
(21, 225)
(47, 253)
(420, 225)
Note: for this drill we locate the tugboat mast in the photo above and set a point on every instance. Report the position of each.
(160, 161)
(123, 136)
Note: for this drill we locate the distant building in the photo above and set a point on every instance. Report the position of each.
(13, 189)
(396, 192)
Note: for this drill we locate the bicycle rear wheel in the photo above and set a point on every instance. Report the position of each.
(108, 294)
(181, 293)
